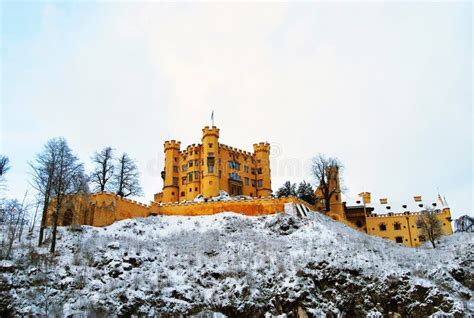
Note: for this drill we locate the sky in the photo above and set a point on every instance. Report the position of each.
(386, 87)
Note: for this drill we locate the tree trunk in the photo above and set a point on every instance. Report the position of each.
(55, 227)
(44, 217)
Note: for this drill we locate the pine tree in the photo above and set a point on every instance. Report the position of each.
(287, 189)
(305, 192)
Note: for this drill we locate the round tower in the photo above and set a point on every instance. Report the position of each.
(210, 146)
(262, 157)
(171, 172)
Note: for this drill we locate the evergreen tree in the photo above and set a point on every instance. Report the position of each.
(287, 189)
(305, 192)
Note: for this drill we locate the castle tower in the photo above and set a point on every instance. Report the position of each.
(335, 202)
(210, 147)
(262, 157)
(171, 173)
(336, 207)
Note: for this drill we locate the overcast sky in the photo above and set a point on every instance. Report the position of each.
(385, 87)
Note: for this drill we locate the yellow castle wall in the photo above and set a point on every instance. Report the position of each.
(105, 208)
(408, 231)
(261, 206)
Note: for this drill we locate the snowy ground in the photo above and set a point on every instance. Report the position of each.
(238, 266)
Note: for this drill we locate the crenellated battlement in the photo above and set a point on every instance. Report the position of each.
(235, 150)
(172, 144)
(261, 147)
(212, 131)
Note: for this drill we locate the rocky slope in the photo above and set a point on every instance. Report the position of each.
(238, 266)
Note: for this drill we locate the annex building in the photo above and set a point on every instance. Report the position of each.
(395, 221)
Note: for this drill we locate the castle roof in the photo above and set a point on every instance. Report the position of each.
(397, 206)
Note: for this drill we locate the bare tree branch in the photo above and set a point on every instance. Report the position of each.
(104, 169)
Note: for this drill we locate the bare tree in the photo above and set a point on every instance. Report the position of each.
(464, 223)
(325, 171)
(14, 216)
(104, 169)
(126, 180)
(430, 226)
(4, 167)
(43, 170)
(67, 172)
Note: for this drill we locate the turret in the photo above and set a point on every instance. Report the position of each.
(335, 202)
(210, 145)
(262, 157)
(171, 173)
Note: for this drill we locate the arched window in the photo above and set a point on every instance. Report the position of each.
(67, 218)
(382, 227)
(397, 226)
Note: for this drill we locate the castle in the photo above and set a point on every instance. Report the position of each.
(194, 178)
(210, 167)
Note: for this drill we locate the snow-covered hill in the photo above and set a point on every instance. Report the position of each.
(238, 266)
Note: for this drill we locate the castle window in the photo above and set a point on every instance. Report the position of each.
(246, 181)
(195, 189)
(176, 159)
(253, 182)
(190, 163)
(183, 193)
(190, 189)
(175, 168)
(259, 170)
(260, 183)
(246, 169)
(234, 176)
(399, 239)
(253, 170)
(382, 227)
(359, 223)
(183, 180)
(397, 226)
(184, 167)
(210, 145)
(210, 168)
(175, 181)
(337, 197)
(190, 176)
(220, 173)
(172, 193)
(196, 162)
(196, 175)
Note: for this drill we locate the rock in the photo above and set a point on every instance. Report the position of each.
(114, 245)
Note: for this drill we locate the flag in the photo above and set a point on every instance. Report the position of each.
(212, 118)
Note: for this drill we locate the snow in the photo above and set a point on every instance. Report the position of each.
(237, 265)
